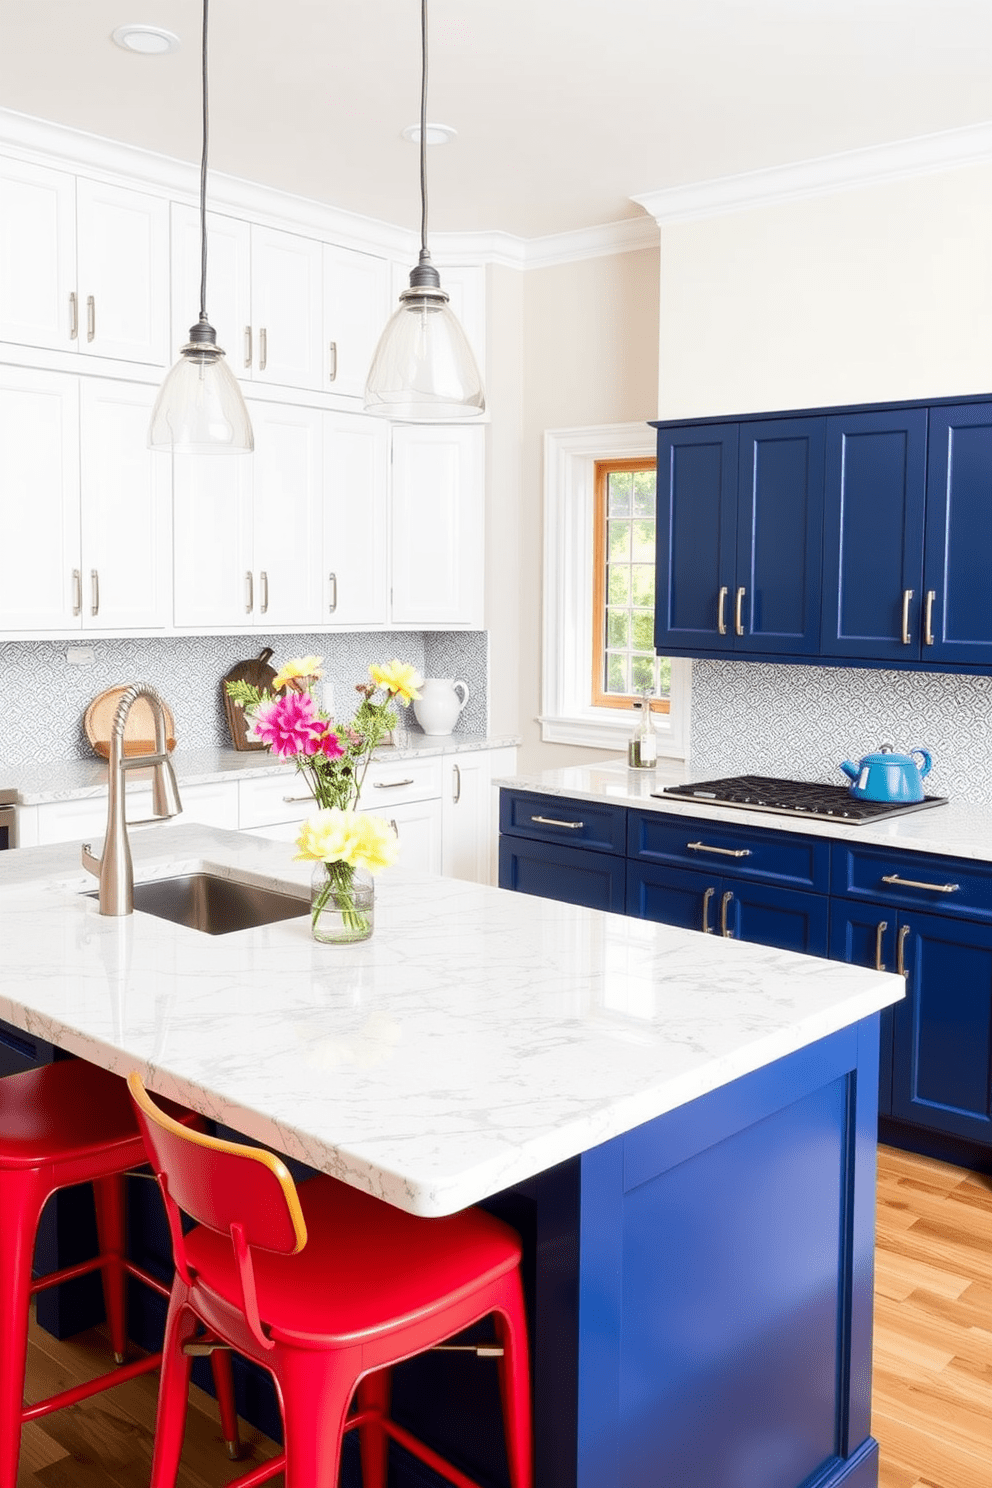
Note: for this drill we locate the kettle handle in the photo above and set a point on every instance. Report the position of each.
(927, 762)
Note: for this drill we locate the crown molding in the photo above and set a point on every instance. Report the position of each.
(822, 176)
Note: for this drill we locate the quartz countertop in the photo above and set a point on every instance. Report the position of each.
(961, 829)
(69, 780)
(480, 1037)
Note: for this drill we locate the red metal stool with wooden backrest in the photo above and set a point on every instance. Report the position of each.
(66, 1123)
(327, 1288)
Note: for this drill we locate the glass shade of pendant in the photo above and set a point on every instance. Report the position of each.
(423, 368)
(199, 409)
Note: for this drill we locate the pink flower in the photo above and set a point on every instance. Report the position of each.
(289, 725)
(327, 744)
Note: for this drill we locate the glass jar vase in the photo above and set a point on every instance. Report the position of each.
(342, 903)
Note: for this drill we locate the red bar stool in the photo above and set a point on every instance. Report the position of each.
(327, 1288)
(65, 1123)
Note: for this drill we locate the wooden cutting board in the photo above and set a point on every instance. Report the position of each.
(257, 673)
(139, 730)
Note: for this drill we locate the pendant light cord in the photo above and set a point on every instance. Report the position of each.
(423, 127)
(203, 172)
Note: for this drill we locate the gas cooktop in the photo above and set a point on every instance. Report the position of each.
(795, 798)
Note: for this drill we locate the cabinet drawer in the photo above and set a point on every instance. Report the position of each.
(389, 782)
(572, 875)
(557, 819)
(766, 857)
(268, 799)
(952, 886)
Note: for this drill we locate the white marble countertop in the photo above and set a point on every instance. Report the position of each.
(479, 1037)
(961, 829)
(68, 780)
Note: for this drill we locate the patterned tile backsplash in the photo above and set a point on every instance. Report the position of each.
(799, 722)
(43, 696)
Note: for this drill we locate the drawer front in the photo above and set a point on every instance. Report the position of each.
(573, 875)
(707, 846)
(390, 782)
(267, 799)
(557, 819)
(950, 886)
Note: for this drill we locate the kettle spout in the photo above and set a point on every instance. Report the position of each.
(852, 770)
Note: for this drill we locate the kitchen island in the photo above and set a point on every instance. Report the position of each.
(682, 1127)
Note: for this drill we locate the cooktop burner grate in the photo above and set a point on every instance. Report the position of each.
(794, 798)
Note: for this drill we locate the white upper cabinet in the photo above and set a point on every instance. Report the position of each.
(228, 283)
(40, 573)
(84, 265)
(286, 299)
(356, 475)
(356, 308)
(212, 537)
(438, 526)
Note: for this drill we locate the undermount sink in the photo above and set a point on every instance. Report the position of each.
(215, 905)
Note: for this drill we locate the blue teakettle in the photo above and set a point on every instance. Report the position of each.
(887, 776)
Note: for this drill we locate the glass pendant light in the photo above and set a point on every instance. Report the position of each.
(199, 409)
(423, 368)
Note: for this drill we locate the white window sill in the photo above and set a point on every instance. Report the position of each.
(605, 729)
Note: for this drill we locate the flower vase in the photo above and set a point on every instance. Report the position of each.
(342, 903)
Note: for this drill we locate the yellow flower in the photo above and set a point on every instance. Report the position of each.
(400, 680)
(335, 836)
(298, 669)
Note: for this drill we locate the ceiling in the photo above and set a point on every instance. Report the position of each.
(565, 109)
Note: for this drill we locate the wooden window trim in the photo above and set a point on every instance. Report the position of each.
(601, 699)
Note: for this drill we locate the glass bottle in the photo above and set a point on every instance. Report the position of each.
(642, 751)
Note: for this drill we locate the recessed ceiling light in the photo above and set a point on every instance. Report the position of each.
(437, 134)
(151, 41)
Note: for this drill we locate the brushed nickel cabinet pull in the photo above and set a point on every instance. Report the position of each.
(392, 823)
(707, 927)
(292, 800)
(94, 591)
(880, 930)
(725, 852)
(901, 952)
(263, 349)
(263, 576)
(738, 606)
(77, 592)
(333, 580)
(551, 821)
(721, 610)
(90, 317)
(456, 781)
(249, 592)
(913, 883)
(73, 317)
(928, 619)
(907, 595)
(725, 930)
(248, 352)
(390, 784)
(332, 374)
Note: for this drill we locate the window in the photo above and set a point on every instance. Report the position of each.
(623, 655)
(571, 713)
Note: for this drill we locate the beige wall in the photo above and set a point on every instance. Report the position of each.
(581, 340)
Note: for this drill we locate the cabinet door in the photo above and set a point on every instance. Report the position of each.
(779, 536)
(573, 875)
(697, 538)
(286, 506)
(785, 918)
(865, 935)
(873, 534)
(942, 1059)
(228, 282)
(123, 257)
(40, 582)
(212, 535)
(37, 255)
(354, 572)
(417, 824)
(126, 498)
(465, 819)
(674, 897)
(957, 586)
(438, 511)
(356, 308)
(286, 295)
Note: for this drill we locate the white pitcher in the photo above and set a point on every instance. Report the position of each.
(439, 704)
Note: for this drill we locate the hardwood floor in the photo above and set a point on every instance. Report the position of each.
(932, 1392)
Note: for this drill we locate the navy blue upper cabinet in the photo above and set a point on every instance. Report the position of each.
(740, 510)
(957, 590)
(873, 535)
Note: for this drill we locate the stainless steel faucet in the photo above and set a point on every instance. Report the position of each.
(114, 868)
